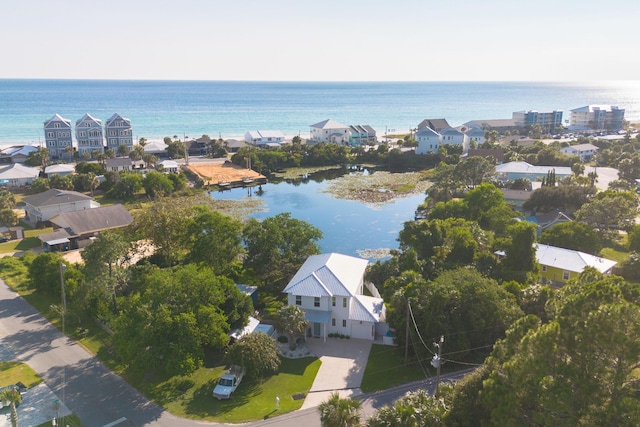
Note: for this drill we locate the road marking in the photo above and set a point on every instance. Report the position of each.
(116, 422)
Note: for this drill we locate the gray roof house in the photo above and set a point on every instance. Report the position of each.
(329, 288)
(17, 175)
(434, 124)
(89, 136)
(16, 153)
(42, 206)
(74, 230)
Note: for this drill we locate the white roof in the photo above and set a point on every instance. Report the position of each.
(169, 164)
(14, 150)
(570, 260)
(266, 134)
(328, 275)
(524, 167)
(367, 309)
(595, 107)
(18, 171)
(253, 324)
(329, 124)
(155, 147)
(581, 147)
(62, 168)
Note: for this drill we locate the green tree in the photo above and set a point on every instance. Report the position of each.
(175, 149)
(277, 247)
(105, 263)
(339, 412)
(609, 211)
(123, 150)
(39, 185)
(8, 218)
(572, 235)
(87, 167)
(414, 409)
(44, 273)
(520, 253)
(157, 184)
(7, 199)
(215, 240)
(39, 158)
(633, 238)
(257, 353)
(61, 182)
(12, 395)
(291, 320)
(126, 187)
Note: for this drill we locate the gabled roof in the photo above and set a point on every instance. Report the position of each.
(57, 118)
(18, 171)
(61, 168)
(524, 167)
(110, 121)
(93, 220)
(435, 124)
(54, 196)
(16, 150)
(155, 147)
(427, 132)
(89, 118)
(367, 309)
(329, 124)
(570, 260)
(451, 131)
(581, 147)
(169, 164)
(328, 275)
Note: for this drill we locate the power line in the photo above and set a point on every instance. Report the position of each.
(415, 326)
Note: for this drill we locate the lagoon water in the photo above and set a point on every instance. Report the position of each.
(347, 226)
(229, 109)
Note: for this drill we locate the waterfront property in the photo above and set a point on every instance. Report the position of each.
(362, 135)
(42, 206)
(597, 117)
(330, 289)
(58, 139)
(434, 124)
(89, 136)
(118, 131)
(330, 131)
(499, 125)
(474, 134)
(263, 137)
(454, 137)
(428, 141)
(558, 265)
(16, 153)
(549, 121)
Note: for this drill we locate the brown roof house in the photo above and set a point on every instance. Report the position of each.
(75, 230)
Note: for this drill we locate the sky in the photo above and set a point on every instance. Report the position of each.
(327, 40)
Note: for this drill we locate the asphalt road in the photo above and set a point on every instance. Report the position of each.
(99, 397)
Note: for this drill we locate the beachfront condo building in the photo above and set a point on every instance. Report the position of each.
(118, 131)
(89, 136)
(597, 117)
(549, 121)
(58, 139)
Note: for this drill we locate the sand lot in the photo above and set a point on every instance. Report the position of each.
(214, 173)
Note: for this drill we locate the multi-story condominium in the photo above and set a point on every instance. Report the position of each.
(89, 135)
(58, 139)
(118, 131)
(549, 121)
(597, 117)
(330, 131)
(362, 135)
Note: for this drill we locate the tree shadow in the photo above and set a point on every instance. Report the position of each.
(203, 404)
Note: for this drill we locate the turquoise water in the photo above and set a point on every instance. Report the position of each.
(229, 109)
(347, 226)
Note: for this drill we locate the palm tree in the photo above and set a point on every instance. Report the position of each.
(11, 395)
(339, 412)
(291, 321)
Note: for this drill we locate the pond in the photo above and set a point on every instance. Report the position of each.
(349, 227)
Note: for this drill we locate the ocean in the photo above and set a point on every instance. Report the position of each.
(228, 109)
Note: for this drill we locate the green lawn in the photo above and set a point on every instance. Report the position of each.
(13, 372)
(386, 369)
(191, 396)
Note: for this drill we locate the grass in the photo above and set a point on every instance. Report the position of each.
(386, 368)
(191, 396)
(70, 420)
(14, 372)
(614, 254)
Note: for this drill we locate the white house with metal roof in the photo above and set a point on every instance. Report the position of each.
(330, 131)
(585, 151)
(262, 137)
(330, 290)
(428, 141)
(514, 170)
(17, 175)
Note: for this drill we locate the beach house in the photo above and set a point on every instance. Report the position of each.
(584, 151)
(515, 170)
(118, 131)
(330, 289)
(558, 265)
(42, 206)
(362, 135)
(264, 137)
(58, 139)
(329, 131)
(428, 141)
(89, 136)
(454, 136)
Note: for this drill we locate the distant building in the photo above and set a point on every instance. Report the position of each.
(474, 135)
(435, 124)
(262, 137)
(118, 131)
(597, 117)
(558, 265)
(59, 169)
(499, 125)
(89, 136)
(550, 121)
(17, 175)
(58, 139)
(428, 141)
(16, 153)
(42, 206)
(329, 131)
(362, 135)
(118, 164)
(453, 136)
(584, 151)
(515, 170)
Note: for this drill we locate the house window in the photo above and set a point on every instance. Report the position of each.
(316, 301)
(565, 275)
(298, 300)
(333, 302)
(344, 323)
(544, 268)
(344, 302)
(333, 322)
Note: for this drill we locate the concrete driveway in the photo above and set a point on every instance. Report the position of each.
(342, 369)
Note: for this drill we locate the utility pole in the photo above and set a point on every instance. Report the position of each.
(406, 338)
(436, 362)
